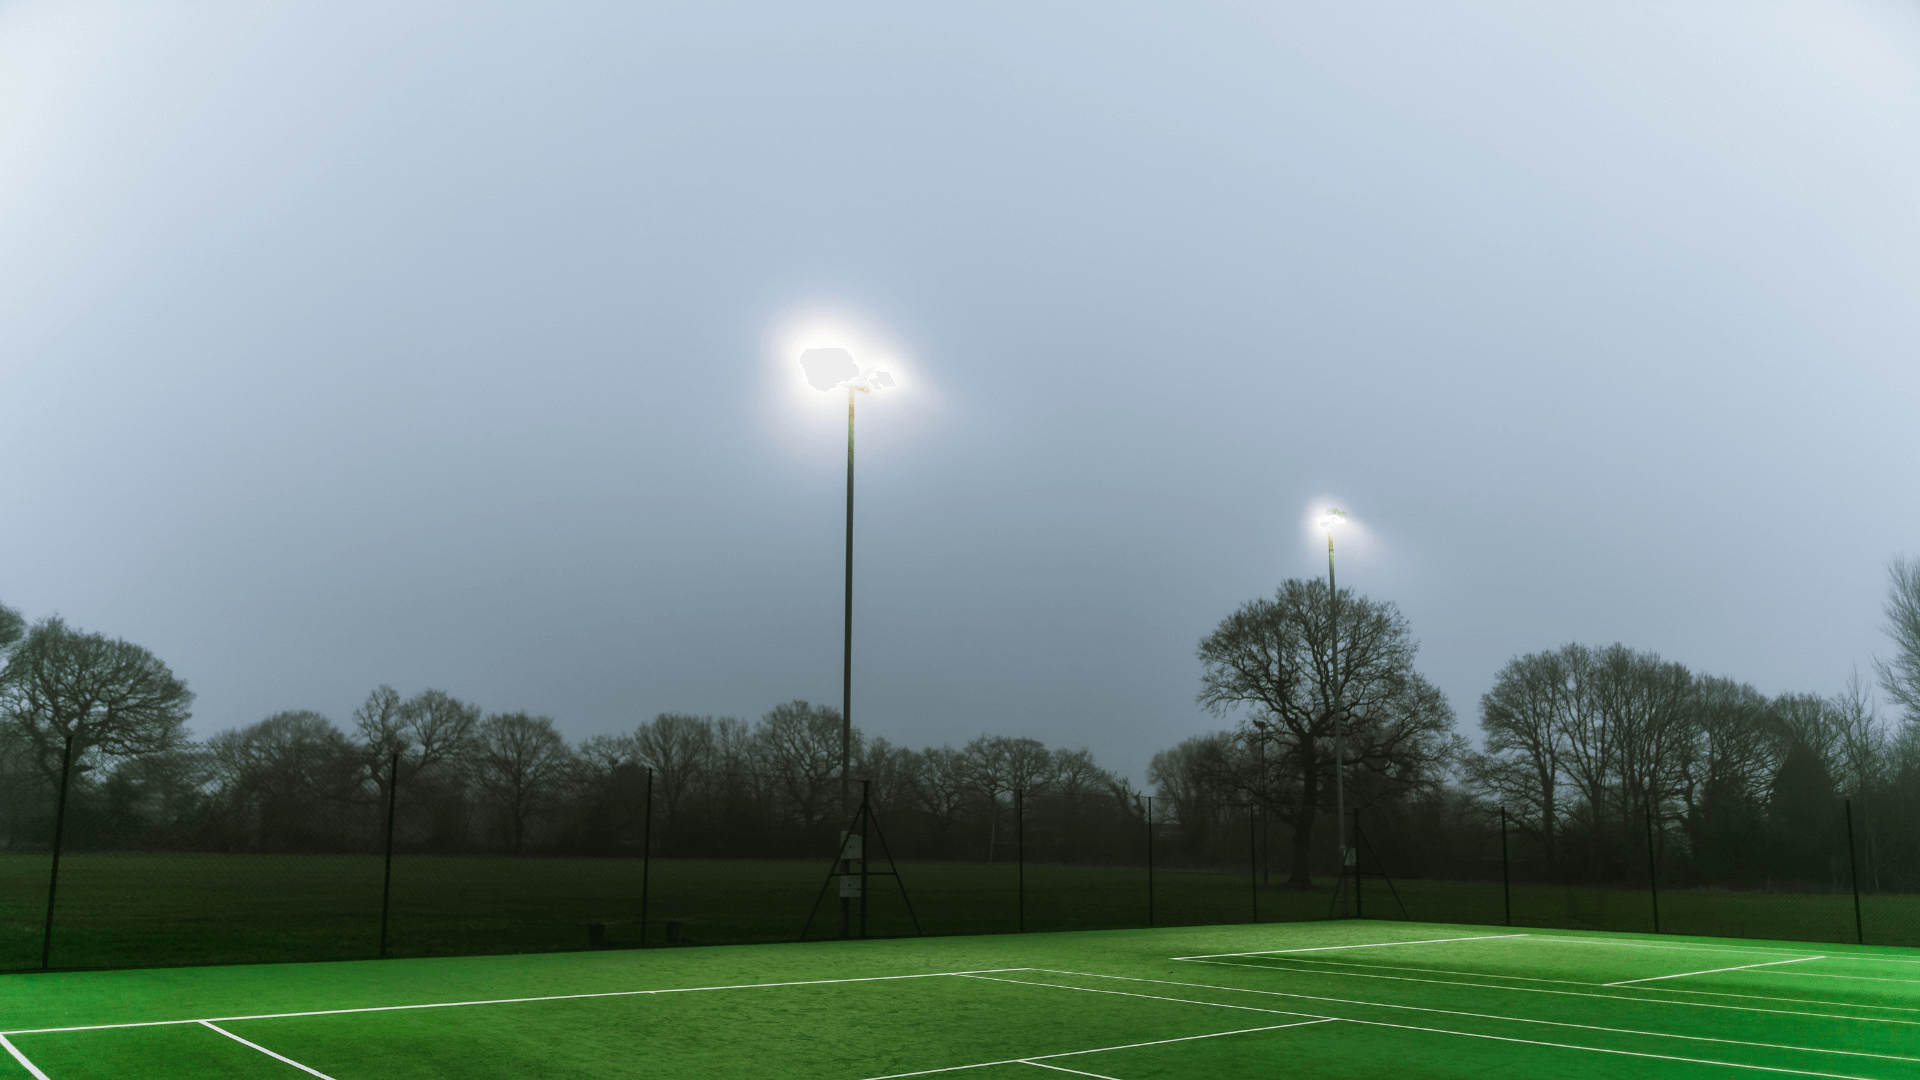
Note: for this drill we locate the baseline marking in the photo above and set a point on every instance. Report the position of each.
(1038, 1058)
(264, 1050)
(1371, 945)
(1603, 997)
(22, 1059)
(1713, 971)
(1456, 1012)
(492, 1001)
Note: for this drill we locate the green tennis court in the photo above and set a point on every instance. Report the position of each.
(1354, 998)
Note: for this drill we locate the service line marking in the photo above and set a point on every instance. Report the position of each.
(1036, 1059)
(1576, 993)
(277, 1057)
(1369, 945)
(1064, 1069)
(22, 1059)
(1501, 1038)
(1576, 982)
(1450, 1012)
(1713, 971)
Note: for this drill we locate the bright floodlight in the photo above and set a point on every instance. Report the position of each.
(828, 368)
(1333, 517)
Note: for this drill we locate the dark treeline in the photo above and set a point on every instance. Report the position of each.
(510, 783)
(1591, 755)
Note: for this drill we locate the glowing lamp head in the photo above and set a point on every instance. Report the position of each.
(830, 369)
(1333, 517)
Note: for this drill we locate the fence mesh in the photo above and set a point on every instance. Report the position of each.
(349, 860)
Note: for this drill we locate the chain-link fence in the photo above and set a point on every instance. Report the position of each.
(355, 858)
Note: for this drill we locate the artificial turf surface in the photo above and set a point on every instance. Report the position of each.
(1367, 998)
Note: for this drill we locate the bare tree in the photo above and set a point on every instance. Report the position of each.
(1274, 658)
(12, 629)
(678, 748)
(113, 698)
(428, 730)
(800, 744)
(1900, 676)
(1526, 716)
(522, 763)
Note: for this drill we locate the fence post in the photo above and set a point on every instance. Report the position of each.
(1359, 912)
(1506, 877)
(1853, 866)
(1149, 861)
(646, 860)
(386, 883)
(59, 834)
(1653, 869)
(1020, 853)
(1253, 857)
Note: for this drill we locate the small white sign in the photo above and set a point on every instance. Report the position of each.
(851, 845)
(849, 884)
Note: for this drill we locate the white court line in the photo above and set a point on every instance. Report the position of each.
(1712, 971)
(1149, 997)
(1576, 982)
(1838, 957)
(1604, 997)
(1331, 948)
(1459, 1012)
(264, 1050)
(1064, 1069)
(1527, 1042)
(1855, 978)
(494, 1001)
(1035, 1058)
(22, 1059)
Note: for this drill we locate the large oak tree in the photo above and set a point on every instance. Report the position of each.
(1274, 660)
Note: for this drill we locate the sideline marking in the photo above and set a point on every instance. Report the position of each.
(264, 1050)
(1037, 1058)
(22, 1059)
(1712, 971)
(1370, 945)
(493, 1001)
(1575, 993)
(1458, 1012)
(1510, 1039)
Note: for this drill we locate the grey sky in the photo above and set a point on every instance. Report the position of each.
(455, 344)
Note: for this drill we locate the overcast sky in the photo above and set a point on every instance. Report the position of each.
(455, 344)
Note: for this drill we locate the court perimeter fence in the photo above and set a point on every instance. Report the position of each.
(99, 875)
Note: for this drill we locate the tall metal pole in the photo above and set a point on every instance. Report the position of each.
(59, 834)
(846, 673)
(1339, 747)
(846, 654)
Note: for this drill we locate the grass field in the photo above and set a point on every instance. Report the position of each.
(153, 910)
(1360, 998)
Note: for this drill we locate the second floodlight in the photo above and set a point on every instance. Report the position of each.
(1333, 517)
